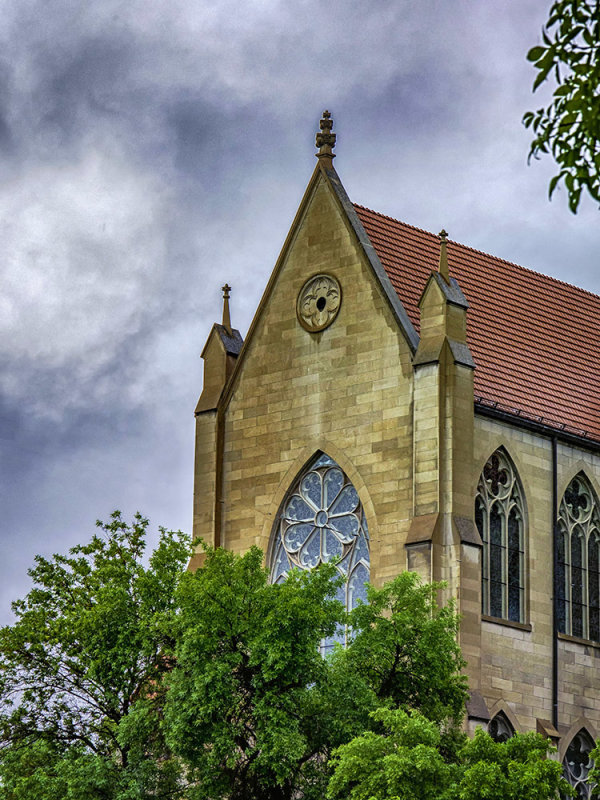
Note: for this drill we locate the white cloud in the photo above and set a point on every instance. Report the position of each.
(83, 258)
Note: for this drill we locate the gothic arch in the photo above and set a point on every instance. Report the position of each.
(500, 728)
(521, 468)
(321, 519)
(580, 724)
(502, 707)
(298, 465)
(573, 753)
(578, 545)
(578, 467)
(501, 519)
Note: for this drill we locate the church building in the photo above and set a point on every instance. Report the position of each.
(402, 401)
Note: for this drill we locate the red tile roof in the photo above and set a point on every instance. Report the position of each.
(535, 339)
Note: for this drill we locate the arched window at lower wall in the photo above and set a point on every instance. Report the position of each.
(322, 519)
(499, 516)
(578, 561)
(500, 728)
(577, 763)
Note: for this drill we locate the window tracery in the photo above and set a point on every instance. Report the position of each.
(577, 763)
(578, 561)
(500, 728)
(320, 520)
(499, 518)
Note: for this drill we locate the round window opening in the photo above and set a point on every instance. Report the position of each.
(318, 302)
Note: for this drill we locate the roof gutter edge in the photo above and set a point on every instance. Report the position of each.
(538, 427)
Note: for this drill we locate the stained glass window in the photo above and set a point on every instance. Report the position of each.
(499, 519)
(499, 728)
(577, 763)
(322, 519)
(578, 561)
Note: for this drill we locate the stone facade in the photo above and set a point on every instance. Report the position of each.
(396, 411)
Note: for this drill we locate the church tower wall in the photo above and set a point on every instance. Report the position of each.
(346, 390)
(397, 412)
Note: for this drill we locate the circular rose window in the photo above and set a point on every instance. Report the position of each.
(318, 302)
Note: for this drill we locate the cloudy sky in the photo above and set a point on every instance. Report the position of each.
(149, 152)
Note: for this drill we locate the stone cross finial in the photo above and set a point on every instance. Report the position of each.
(444, 271)
(325, 139)
(226, 318)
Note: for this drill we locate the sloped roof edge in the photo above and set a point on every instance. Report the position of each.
(406, 325)
(534, 338)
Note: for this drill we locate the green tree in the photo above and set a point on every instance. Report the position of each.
(569, 127)
(405, 646)
(121, 681)
(82, 667)
(242, 707)
(414, 758)
(254, 710)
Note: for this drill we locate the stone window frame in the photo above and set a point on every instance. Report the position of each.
(579, 567)
(500, 728)
(292, 547)
(499, 489)
(575, 768)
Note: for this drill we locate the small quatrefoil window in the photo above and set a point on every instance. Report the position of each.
(318, 302)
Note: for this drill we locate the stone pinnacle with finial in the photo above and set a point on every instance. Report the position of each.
(325, 139)
(226, 318)
(444, 271)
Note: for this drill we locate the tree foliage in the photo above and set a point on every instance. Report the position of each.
(122, 681)
(414, 758)
(569, 127)
(240, 705)
(405, 646)
(81, 670)
(255, 711)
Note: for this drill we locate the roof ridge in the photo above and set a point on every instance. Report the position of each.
(482, 252)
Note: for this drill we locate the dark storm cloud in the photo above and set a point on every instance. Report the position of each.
(151, 151)
(79, 84)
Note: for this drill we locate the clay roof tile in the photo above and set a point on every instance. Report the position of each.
(535, 339)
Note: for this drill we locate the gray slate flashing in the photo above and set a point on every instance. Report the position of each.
(429, 353)
(461, 353)
(232, 344)
(452, 292)
(467, 531)
(406, 325)
(476, 707)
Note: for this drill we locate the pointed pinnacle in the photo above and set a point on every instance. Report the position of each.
(325, 139)
(444, 271)
(226, 318)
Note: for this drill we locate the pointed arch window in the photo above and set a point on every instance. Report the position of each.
(500, 728)
(499, 516)
(578, 561)
(322, 519)
(577, 763)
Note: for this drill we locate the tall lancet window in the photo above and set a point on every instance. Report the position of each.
(499, 516)
(322, 519)
(578, 561)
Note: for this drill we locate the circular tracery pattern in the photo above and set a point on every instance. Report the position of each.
(500, 729)
(318, 302)
(577, 764)
(322, 519)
